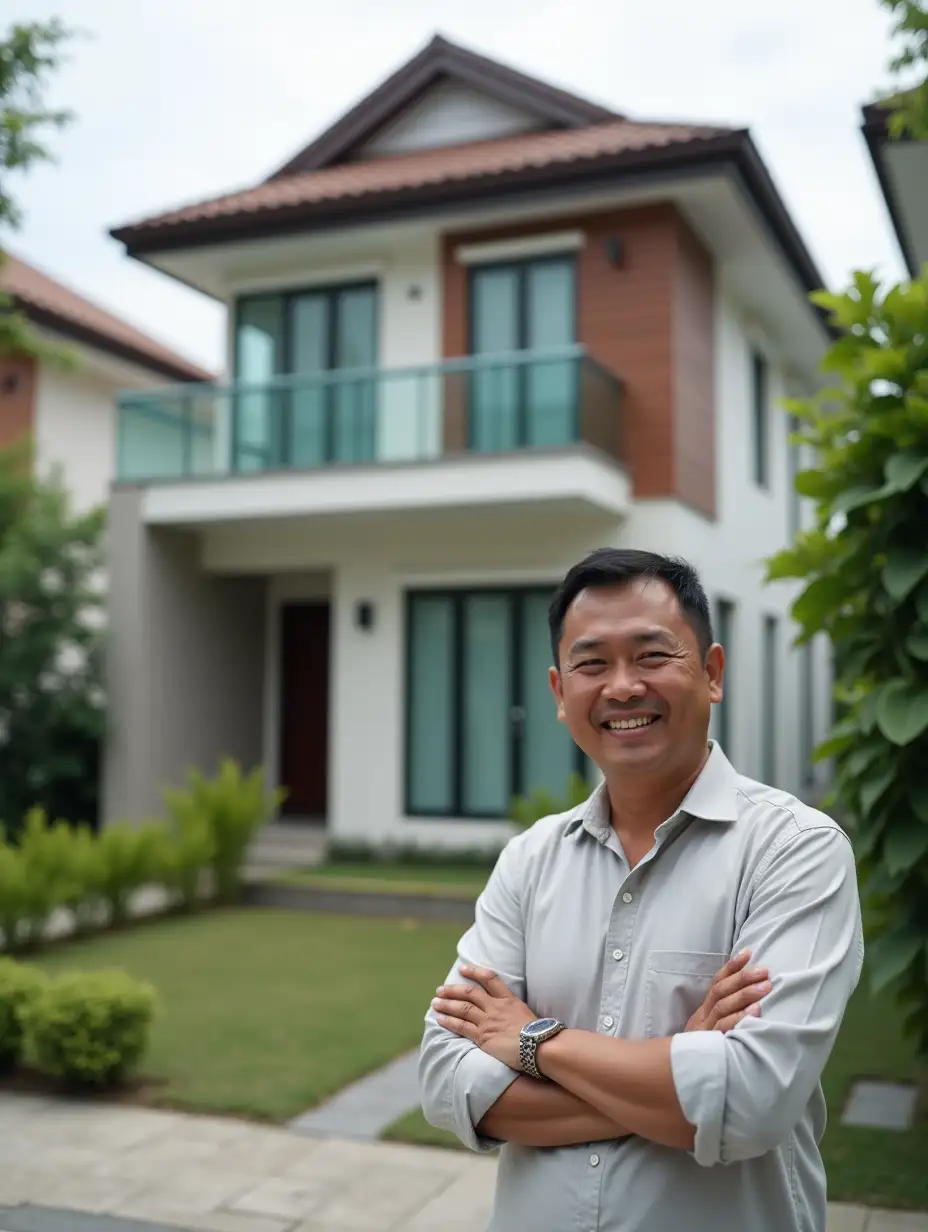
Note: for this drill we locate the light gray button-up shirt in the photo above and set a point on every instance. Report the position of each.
(631, 953)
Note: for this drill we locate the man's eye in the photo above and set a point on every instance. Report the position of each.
(589, 663)
(655, 654)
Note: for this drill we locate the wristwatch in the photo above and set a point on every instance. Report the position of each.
(531, 1035)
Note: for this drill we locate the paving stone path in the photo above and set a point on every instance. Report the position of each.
(365, 1108)
(133, 1169)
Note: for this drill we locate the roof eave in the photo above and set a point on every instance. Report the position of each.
(735, 149)
(65, 326)
(875, 129)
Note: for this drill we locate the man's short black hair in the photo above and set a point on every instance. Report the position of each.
(620, 566)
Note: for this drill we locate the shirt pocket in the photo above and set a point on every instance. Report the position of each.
(677, 983)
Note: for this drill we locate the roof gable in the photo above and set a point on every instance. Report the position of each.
(440, 64)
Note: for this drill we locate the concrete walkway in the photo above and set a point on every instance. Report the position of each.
(207, 1174)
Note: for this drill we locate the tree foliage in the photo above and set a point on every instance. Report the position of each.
(51, 697)
(910, 106)
(29, 53)
(865, 569)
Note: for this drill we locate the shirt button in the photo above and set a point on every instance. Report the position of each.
(626, 897)
(618, 955)
(594, 1161)
(608, 1021)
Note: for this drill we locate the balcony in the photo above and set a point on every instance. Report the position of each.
(496, 415)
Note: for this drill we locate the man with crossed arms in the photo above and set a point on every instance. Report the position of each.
(610, 1038)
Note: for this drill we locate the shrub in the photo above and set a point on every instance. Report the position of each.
(19, 986)
(49, 879)
(31, 884)
(186, 851)
(89, 1029)
(83, 884)
(233, 807)
(127, 858)
(864, 576)
(526, 810)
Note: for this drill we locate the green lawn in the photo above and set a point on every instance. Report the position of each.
(870, 1166)
(265, 1013)
(452, 881)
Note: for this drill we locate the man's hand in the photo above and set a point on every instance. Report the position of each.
(735, 993)
(485, 1012)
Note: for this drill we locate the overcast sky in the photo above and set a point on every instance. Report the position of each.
(181, 99)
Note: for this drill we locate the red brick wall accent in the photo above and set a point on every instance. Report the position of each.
(650, 321)
(17, 397)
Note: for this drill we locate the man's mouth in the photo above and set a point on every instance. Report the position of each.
(631, 724)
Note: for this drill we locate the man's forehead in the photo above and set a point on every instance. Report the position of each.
(639, 599)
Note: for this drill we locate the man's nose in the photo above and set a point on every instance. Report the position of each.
(624, 683)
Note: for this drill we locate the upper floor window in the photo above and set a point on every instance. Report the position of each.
(527, 306)
(760, 418)
(305, 334)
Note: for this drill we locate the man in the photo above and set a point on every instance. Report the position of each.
(611, 922)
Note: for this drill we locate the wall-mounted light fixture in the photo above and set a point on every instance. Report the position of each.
(615, 251)
(414, 292)
(364, 615)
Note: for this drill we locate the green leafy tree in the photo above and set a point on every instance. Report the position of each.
(910, 107)
(865, 572)
(28, 54)
(51, 695)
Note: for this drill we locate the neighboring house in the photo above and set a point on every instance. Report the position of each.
(902, 170)
(70, 413)
(477, 327)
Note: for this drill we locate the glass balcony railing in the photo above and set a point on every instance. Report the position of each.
(480, 404)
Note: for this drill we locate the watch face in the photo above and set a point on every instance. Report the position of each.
(540, 1025)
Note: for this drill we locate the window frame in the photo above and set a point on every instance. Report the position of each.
(770, 646)
(283, 359)
(521, 266)
(760, 418)
(458, 595)
(725, 616)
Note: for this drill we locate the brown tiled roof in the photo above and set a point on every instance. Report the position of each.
(49, 303)
(401, 175)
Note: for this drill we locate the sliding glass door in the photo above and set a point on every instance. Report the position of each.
(317, 417)
(530, 307)
(481, 720)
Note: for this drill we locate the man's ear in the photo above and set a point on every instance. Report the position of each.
(554, 680)
(715, 671)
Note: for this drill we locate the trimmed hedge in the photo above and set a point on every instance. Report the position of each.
(201, 846)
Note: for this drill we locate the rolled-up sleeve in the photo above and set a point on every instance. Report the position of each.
(459, 1083)
(745, 1091)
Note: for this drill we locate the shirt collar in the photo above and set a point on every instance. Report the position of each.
(713, 797)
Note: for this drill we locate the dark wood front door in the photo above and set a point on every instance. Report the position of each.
(304, 720)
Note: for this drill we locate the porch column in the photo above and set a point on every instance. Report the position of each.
(185, 663)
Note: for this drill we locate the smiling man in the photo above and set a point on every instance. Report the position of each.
(601, 1027)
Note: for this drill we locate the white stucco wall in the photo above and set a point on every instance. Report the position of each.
(75, 429)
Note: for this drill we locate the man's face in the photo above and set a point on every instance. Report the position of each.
(633, 688)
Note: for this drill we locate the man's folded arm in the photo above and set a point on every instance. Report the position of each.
(736, 1096)
(466, 1091)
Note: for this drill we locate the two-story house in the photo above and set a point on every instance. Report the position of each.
(476, 328)
(68, 410)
